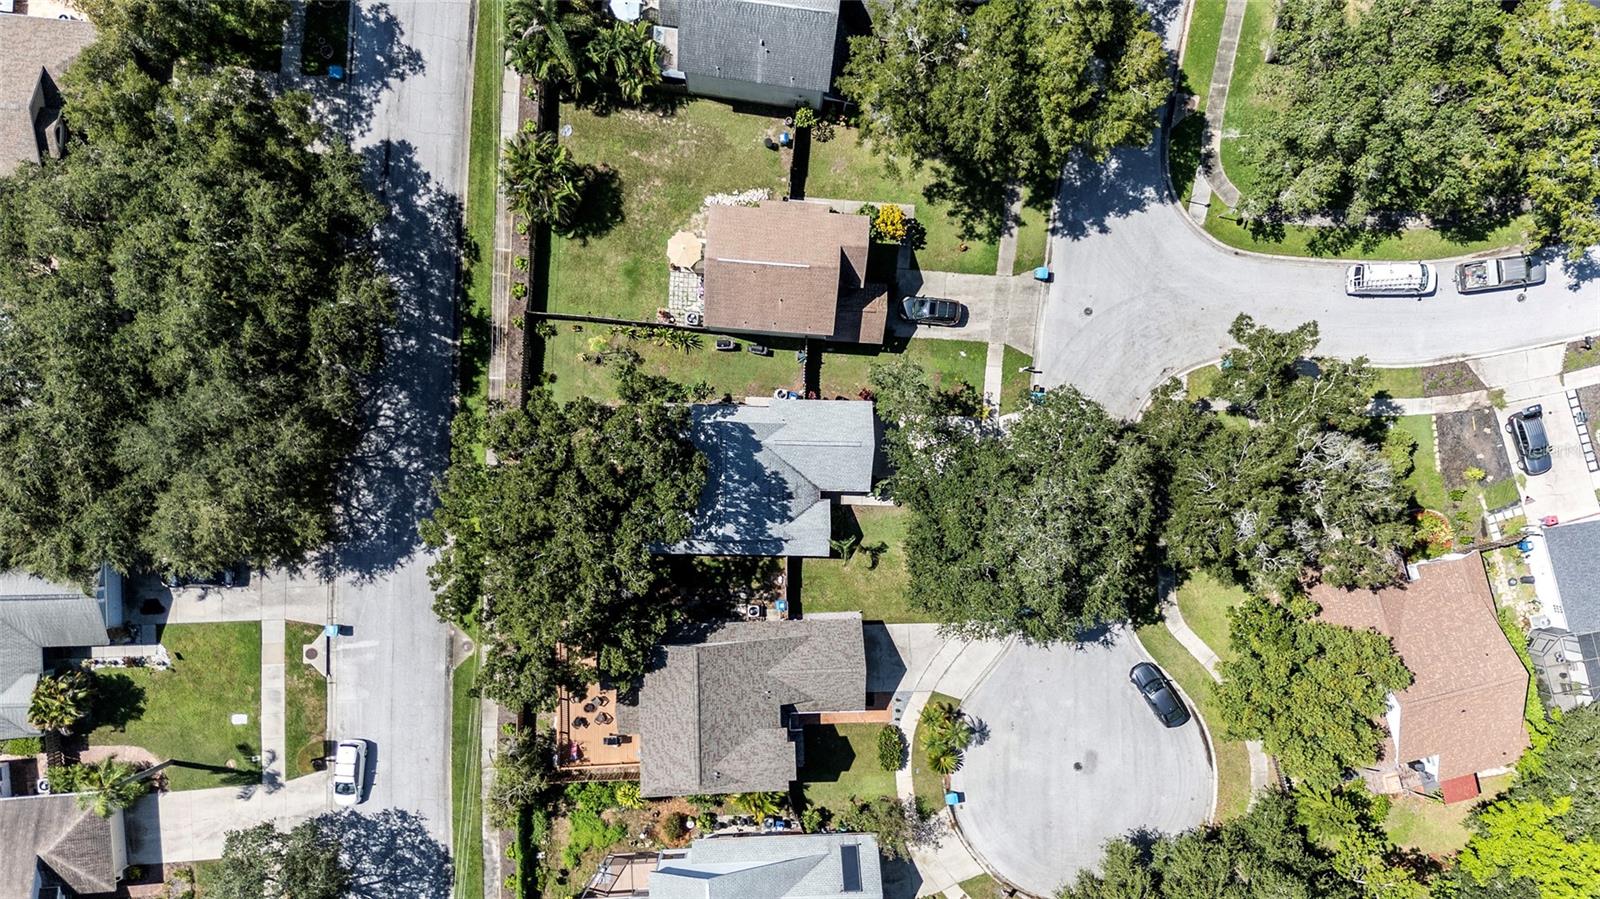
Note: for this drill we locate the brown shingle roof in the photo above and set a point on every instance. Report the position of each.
(1466, 704)
(30, 47)
(781, 268)
(73, 843)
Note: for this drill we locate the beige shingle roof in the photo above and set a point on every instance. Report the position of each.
(31, 46)
(781, 267)
(1466, 704)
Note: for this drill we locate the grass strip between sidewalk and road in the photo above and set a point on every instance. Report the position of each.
(483, 161)
(1232, 762)
(305, 701)
(466, 780)
(927, 784)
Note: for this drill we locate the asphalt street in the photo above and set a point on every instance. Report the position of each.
(405, 110)
(1141, 295)
(1074, 758)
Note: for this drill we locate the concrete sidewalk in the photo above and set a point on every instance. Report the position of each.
(1260, 769)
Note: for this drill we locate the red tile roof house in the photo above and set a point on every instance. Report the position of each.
(1462, 716)
(793, 269)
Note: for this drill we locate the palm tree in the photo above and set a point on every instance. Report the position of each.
(61, 700)
(760, 805)
(625, 56)
(544, 38)
(542, 182)
(944, 762)
(106, 786)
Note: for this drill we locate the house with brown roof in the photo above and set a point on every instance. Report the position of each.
(34, 54)
(1462, 717)
(52, 848)
(792, 269)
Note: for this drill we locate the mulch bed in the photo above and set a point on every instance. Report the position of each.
(1450, 378)
(1471, 439)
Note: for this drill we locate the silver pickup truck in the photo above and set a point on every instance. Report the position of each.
(1497, 274)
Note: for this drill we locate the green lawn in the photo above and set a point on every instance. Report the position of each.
(1425, 480)
(1249, 100)
(1205, 602)
(1432, 827)
(305, 700)
(1233, 760)
(928, 786)
(878, 591)
(841, 765)
(1200, 48)
(1577, 357)
(1414, 244)
(1399, 382)
(1015, 383)
(740, 374)
(846, 169)
(1201, 383)
(466, 781)
(184, 713)
(981, 887)
(667, 165)
(483, 160)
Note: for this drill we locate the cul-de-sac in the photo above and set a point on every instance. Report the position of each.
(799, 449)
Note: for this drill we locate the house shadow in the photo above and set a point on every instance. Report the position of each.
(387, 484)
(390, 855)
(886, 668)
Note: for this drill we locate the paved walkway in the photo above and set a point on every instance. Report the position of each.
(1260, 770)
(500, 329)
(1217, 104)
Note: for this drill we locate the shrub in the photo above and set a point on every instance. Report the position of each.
(673, 827)
(628, 796)
(22, 746)
(891, 748)
(1474, 474)
(519, 289)
(889, 224)
(811, 820)
(805, 117)
(706, 823)
(1457, 494)
(521, 263)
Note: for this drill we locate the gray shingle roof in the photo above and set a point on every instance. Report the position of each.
(769, 468)
(790, 866)
(35, 614)
(789, 43)
(711, 714)
(30, 48)
(52, 831)
(1575, 555)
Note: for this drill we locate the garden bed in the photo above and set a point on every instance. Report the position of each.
(1471, 440)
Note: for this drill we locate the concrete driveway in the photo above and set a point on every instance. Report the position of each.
(1074, 758)
(1567, 490)
(1140, 294)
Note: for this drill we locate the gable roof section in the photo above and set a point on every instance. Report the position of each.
(782, 267)
(1466, 702)
(786, 43)
(769, 470)
(30, 48)
(73, 843)
(790, 866)
(1575, 555)
(711, 714)
(35, 614)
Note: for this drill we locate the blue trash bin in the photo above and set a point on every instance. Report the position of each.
(336, 73)
(1042, 273)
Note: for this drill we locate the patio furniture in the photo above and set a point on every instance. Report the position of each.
(604, 718)
(613, 740)
(580, 722)
(684, 249)
(588, 708)
(602, 700)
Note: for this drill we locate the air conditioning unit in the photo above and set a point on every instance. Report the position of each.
(696, 319)
(1539, 621)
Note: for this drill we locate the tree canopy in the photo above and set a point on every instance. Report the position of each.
(1044, 530)
(1299, 490)
(992, 94)
(264, 862)
(1309, 690)
(577, 49)
(553, 543)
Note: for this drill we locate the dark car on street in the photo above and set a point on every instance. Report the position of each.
(1527, 432)
(931, 311)
(1159, 693)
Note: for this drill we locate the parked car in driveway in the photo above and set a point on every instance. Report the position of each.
(1477, 275)
(1390, 279)
(1159, 693)
(349, 771)
(1527, 434)
(931, 311)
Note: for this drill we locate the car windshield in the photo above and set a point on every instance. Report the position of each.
(344, 789)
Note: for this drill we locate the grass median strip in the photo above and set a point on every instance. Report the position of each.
(483, 160)
(305, 701)
(466, 780)
(1232, 760)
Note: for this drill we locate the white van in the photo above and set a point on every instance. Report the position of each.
(1390, 279)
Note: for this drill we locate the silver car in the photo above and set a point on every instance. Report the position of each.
(349, 772)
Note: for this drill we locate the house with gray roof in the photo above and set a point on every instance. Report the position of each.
(780, 53)
(34, 54)
(37, 616)
(53, 849)
(1575, 559)
(768, 866)
(772, 473)
(717, 715)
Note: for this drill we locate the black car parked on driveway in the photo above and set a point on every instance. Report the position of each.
(1160, 694)
(931, 311)
(1527, 433)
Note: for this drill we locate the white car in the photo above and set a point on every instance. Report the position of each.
(349, 771)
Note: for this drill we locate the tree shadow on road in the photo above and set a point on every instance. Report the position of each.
(379, 57)
(390, 855)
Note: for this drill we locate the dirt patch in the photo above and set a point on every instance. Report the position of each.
(1589, 399)
(1449, 379)
(1467, 440)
